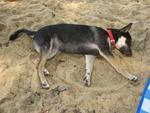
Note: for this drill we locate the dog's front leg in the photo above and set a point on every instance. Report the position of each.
(116, 67)
(89, 61)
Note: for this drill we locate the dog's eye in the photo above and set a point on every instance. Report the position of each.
(118, 35)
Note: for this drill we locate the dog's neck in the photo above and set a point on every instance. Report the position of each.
(111, 37)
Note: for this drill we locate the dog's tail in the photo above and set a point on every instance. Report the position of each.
(16, 34)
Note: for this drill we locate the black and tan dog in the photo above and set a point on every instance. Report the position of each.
(79, 39)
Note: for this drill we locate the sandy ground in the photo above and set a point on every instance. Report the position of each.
(109, 93)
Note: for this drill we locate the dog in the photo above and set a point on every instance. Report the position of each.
(90, 41)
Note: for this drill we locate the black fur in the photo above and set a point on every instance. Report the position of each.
(118, 33)
(73, 38)
(18, 32)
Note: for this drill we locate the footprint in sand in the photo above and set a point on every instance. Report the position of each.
(2, 27)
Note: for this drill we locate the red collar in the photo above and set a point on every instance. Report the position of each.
(111, 37)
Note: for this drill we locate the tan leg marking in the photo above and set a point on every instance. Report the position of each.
(40, 68)
(124, 73)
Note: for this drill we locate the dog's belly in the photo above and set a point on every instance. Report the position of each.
(79, 49)
(36, 46)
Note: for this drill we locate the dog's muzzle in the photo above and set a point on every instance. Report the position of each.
(126, 51)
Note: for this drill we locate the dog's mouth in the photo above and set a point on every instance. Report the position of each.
(126, 51)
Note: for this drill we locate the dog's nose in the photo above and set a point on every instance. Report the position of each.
(128, 54)
(126, 51)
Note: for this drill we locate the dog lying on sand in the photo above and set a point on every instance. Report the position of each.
(90, 41)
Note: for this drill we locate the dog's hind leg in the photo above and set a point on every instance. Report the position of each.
(45, 54)
(40, 68)
(45, 71)
(89, 61)
(51, 54)
(120, 71)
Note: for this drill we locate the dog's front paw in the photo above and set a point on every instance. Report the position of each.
(133, 78)
(87, 81)
(45, 85)
(46, 72)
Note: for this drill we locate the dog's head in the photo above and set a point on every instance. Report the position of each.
(123, 40)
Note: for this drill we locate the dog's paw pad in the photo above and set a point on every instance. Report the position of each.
(46, 72)
(133, 78)
(87, 82)
(45, 85)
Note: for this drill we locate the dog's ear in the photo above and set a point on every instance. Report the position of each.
(126, 28)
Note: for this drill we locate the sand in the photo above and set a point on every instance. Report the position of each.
(20, 91)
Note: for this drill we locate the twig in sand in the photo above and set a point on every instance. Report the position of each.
(6, 44)
(56, 91)
(144, 43)
(44, 111)
(145, 39)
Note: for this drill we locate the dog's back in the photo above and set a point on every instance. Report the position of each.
(73, 38)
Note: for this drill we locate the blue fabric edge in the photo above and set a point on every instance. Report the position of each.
(142, 98)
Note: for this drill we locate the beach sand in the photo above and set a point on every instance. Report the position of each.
(20, 90)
